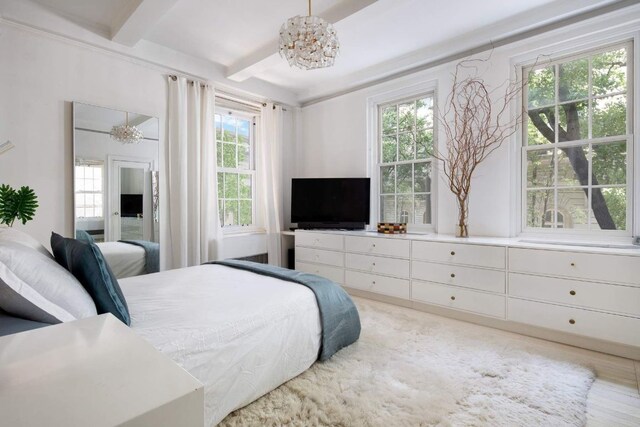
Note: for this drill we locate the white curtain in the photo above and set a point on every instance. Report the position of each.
(195, 234)
(269, 153)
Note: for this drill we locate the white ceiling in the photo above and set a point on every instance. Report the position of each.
(241, 35)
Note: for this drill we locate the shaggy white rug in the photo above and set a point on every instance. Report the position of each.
(415, 369)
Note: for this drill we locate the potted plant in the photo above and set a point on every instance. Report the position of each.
(17, 204)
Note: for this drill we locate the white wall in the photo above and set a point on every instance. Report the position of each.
(333, 137)
(335, 144)
(40, 77)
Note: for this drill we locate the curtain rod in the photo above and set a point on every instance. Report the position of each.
(233, 98)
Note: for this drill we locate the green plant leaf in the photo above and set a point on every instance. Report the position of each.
(7, 196)
(26, 203)
(21, 204)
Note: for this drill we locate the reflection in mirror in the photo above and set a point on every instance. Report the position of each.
(116, 186)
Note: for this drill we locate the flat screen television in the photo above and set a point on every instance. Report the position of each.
(340, 203)
(130, 205)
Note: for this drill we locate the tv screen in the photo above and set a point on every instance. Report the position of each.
(130, 205)
(330, 201)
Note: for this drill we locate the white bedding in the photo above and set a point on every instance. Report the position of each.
(125, 260)
(239, 333)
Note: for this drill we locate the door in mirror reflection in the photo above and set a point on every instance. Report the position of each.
(132, 200)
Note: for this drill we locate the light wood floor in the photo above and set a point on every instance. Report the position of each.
(614, 399)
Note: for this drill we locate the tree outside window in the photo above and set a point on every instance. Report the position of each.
(406, 138)
(236, 171)
(576, 142)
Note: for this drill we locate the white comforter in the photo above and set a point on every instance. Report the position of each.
(239, 333)
(125, 260)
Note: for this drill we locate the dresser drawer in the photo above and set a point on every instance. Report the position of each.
(379, 284)
(376, 264)
(332, 273)
(469, 277)
(319, 240)
(608, 327)
(578, 265)
(620, 299)
(458, 298)
(460, 253)
(320, 256)
(378, 246)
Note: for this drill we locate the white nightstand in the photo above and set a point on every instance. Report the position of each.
(93, 372)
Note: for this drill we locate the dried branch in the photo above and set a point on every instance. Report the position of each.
(475, 126)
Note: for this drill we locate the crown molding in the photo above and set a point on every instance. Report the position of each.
(426, 59)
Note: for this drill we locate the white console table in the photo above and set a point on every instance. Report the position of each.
(580, 295)
(93, 372)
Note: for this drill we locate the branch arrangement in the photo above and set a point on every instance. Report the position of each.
(475, 126)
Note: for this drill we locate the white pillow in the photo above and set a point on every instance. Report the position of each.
(9, 234)
(35, 287)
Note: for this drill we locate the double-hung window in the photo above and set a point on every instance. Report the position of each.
(405, 144)
(235, 138)
(577, 144)
(89, 193)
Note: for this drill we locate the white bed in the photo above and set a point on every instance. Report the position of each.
(125, 260)
(240, 334)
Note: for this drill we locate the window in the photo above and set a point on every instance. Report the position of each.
(236, 170)
(405, 143)
(577, 143)
(89, 192)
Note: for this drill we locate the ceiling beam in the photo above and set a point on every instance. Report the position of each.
(137, 19)
(267, 55)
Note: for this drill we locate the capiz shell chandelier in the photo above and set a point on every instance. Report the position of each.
(126, 134)
(309, 42)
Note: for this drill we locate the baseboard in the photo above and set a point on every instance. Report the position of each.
(601, 346)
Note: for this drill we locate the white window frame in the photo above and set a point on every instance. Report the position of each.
(91, 165)
(374, 148)
(565, 52)
(252, 118)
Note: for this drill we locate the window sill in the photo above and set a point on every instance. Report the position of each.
(239, 232)
(612, 239)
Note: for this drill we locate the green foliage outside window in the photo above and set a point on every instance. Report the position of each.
(235, 170)
(406, 144)
(581, 100)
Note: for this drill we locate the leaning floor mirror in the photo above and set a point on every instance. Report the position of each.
(116, 188)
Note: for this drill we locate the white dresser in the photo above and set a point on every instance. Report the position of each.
(589, 293)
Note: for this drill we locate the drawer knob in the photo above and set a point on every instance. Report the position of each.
(573, 322)
(453, 298)
(374, 264)
(453, 253)
(453, 275)
(572, 292)
(573, 264)
(373, 283)
(373, 245)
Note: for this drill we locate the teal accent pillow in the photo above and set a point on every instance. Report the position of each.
(85, 261)
(83, 236)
